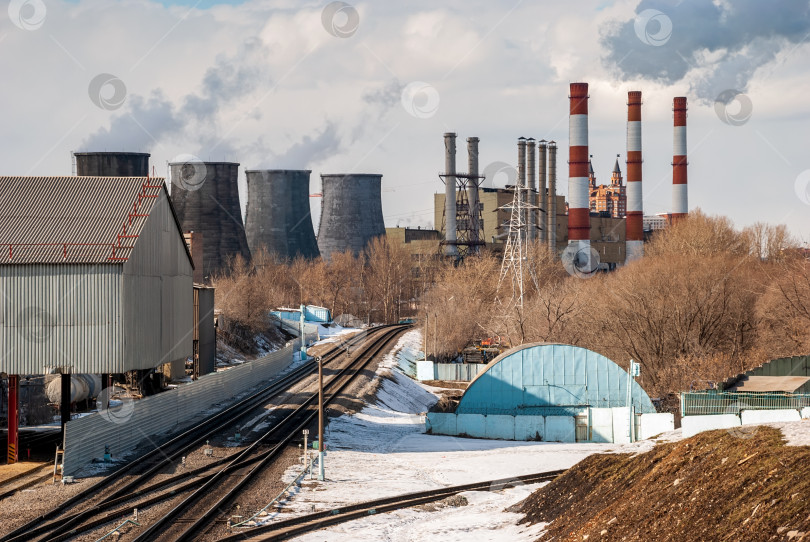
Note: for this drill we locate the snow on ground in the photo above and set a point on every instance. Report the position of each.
(333, 333)
(383, 451)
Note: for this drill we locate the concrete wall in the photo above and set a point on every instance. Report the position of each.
(426, 370)
(753, 417)
(653, 425)
(560, 429)
(545, 428)
(122, 428)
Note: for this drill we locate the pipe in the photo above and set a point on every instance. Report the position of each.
(540, 198)
(680, 204)
(579, 225)
(450, 194)
(635, 210)
(552, 198)
(531, 184)
(472, 193)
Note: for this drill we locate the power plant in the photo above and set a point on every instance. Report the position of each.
(351, 212)
(206, 199)
(112, 164)
(278, 217)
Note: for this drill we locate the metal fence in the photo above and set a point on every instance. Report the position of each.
(731, 402)
(464, 372)
(121, 428)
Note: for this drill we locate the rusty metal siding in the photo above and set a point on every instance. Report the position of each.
(158, 293)
(60, 315)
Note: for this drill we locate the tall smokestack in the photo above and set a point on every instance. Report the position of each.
(521, 180)
(635, 209)
(472, 192)
(450, 194)
(531, 184)
(540, 199)
(680, 204)
(579, 222)
(552, 199)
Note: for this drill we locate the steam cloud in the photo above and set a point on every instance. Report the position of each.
(723, 42)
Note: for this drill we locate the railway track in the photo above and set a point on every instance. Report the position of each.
(125, 484)
(284, 529)
(41, 474)
(213, 498)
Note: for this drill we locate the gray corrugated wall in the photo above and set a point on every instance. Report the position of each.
(61, 315)
(86, 437)
(158, 295)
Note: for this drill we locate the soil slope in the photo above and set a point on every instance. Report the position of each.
(743, 484)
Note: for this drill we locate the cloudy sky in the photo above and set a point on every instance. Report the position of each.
(372, 86)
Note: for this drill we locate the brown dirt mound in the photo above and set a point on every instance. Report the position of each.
(719, 485)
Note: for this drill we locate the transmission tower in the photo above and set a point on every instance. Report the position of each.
(516, 253)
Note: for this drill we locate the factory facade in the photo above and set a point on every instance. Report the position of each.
(96, 276)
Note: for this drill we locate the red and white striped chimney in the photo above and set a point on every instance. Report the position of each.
(680, 204)
(579, 221)
(635, 208)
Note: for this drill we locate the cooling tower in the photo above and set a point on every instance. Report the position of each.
(206, 198)
(112, 164)
(351, 212)
(278, 216)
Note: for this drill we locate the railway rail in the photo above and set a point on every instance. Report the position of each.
(213, 498)
(60, 523)
(43, 473)
(287, 528)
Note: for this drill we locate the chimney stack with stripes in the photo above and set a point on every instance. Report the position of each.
(579, 222)
(680, 204)
(635, 209)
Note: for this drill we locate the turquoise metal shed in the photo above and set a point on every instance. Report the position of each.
(550, 379)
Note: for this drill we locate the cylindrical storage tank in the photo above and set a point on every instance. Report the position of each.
(278, 215)
(82, 386)
(112, 164)
(206, 198)
(635, 210)
(351, 212)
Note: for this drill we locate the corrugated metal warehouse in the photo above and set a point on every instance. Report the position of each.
(554, 392)
(95, 273)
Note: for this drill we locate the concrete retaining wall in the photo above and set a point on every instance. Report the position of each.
(530, 428)
(602, 424)
(472, 425)
(122, 428)
(654, 424)
(500, 427)
(753, 417)
(692, 425)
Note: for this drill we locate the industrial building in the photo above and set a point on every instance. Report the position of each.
(351, 212)
(278, 218)
(96, 278)
(552, 392)
(206, 197)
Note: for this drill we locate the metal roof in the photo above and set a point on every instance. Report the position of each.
(73, 219)
(771, 383)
